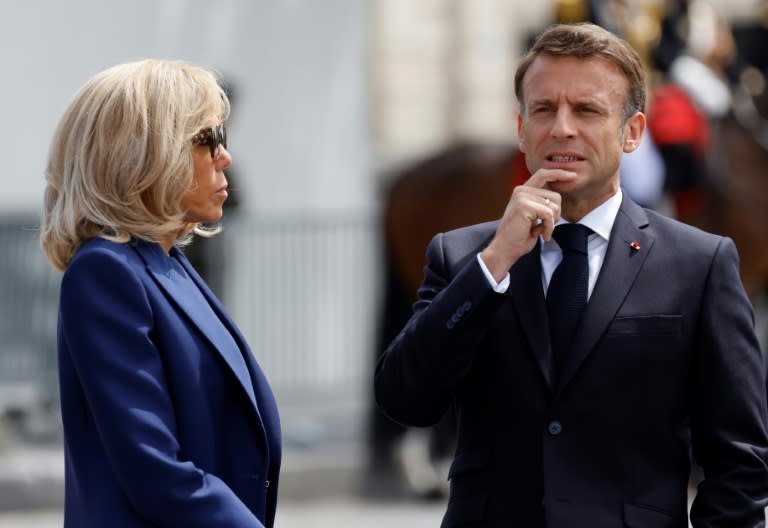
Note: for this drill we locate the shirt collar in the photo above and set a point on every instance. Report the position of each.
(601, 218)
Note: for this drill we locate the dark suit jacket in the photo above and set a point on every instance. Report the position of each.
(665, 362)
(168, 420)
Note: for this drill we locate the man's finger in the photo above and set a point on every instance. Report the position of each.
(544, 176)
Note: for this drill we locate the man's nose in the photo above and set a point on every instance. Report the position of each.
(563, 127)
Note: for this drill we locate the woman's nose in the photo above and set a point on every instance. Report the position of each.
(224, 158)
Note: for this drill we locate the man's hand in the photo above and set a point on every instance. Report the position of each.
(532, 211)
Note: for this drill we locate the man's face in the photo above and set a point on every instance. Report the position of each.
(572, 120)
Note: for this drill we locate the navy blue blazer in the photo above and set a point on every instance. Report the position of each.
(665, 364)
(168, 419)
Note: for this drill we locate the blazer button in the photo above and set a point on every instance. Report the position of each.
(267, 485)
(554, 428)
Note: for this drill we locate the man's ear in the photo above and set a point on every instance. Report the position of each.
(633, 132)
(520, 142)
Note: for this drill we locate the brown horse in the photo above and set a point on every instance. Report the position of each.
(736, 199)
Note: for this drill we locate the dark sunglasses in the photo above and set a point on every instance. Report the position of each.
(213, 137)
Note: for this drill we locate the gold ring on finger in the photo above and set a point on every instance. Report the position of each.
(547, 201)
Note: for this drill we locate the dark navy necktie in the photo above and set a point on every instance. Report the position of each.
(567, 292)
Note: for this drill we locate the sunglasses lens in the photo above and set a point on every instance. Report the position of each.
(218, 137)
(213, 137)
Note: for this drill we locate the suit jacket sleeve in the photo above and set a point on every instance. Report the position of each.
(728, 418)
(417, 376)
(107, 322)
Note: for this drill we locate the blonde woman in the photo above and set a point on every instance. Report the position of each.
(168, 419)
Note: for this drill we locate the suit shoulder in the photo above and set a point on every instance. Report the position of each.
(463, 242)
(477, 232)
(102, 253)
(100, 248)
(680, 232)
(104, 272)
(689, 243)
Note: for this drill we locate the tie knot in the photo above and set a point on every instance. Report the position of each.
(572, 237)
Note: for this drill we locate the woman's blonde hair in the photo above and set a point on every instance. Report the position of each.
(121, 157)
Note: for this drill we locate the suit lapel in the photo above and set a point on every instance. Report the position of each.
(160, 267)
(528, 295)
(619, 270)
(257, 382)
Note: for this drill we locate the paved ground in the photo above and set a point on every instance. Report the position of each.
(319, 488)
(340, 513)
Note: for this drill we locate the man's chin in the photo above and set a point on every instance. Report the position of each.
(565, 188)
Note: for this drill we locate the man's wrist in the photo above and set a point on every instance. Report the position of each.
(499, 286)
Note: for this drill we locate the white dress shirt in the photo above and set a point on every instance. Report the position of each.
(599, 220)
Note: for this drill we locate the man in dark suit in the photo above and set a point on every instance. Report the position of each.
(591, 423)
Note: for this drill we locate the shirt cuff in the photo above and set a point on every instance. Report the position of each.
(500, 287)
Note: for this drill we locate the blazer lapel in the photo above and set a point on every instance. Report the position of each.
(259, 383)
(212, 300)
(256, 381)
(528, 295)
(620, 268)
(160, 267)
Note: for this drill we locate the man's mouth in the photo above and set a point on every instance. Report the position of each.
(563, 159)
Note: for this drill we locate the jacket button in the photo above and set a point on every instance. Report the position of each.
(267, 485)
(554, 428)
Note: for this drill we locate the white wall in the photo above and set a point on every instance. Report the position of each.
(299, 136)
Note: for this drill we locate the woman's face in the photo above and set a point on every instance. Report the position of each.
(204, 201)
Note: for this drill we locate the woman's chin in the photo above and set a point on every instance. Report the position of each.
(208, 218)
